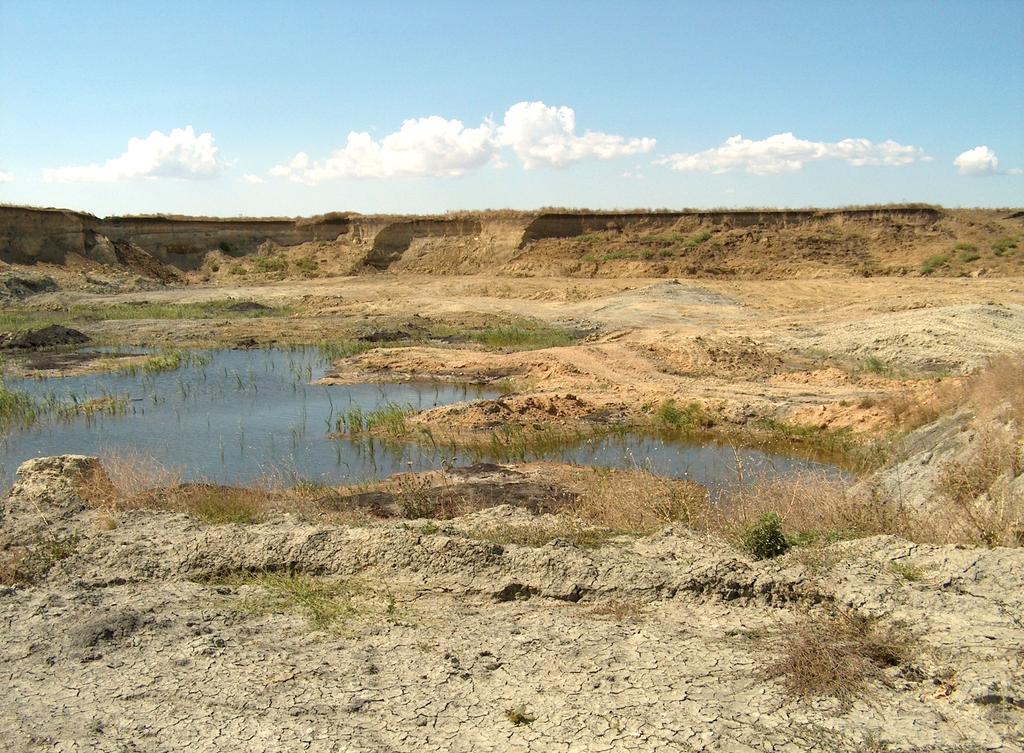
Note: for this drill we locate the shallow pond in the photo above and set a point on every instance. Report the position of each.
(234, 416)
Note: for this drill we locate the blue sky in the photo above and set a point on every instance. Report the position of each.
(599, 104)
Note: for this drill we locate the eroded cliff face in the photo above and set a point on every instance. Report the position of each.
(28, 235)
(184, 242)
(763, 243)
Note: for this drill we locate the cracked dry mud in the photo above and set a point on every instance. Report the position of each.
(146, 638)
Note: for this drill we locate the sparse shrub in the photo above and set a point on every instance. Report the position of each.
(699, 239)
(875, 365)
(933, 263)
(765, 539)
(838, 655)
(965, 247)
(968, 256)
(215, 267)
(28, 564)
(269, 264)
(306, 265)
(225, 247)
(1003, 246)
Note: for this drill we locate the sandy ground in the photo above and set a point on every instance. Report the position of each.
(785, 349)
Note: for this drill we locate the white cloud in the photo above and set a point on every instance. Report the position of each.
(977, 161)
(6, 176)
(543, 136)
(422, 146)
(250, 178)
(784, 153)
(537, 134)
(179, 154)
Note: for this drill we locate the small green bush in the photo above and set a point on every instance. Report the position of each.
(1004, 245)
(765, 539)
(689, 417)
(699, 238)
(968, 256)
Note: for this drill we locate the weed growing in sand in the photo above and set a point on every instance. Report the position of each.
(307, 266)
(838, 655)
(519, 715)
(324, 603)
(907, 572)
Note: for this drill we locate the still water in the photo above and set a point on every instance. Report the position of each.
(242, 415)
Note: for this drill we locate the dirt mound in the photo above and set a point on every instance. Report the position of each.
(15, 287)
(959, 337)
(45, 337)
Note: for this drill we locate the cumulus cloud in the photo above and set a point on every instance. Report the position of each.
(981, 161)
(178, 154)
(543, 136)
(784, 153)
(422, 146)
(250, 178)
(6, 176)
(539, 135)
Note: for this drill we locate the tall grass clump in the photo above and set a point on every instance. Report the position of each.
(388, 419)
(17, 409)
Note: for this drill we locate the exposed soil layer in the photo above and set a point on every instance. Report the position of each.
(768, 243)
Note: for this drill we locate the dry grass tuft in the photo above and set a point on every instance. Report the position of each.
(981, 507)
(838, 655)
(814, 509)
(635, 501)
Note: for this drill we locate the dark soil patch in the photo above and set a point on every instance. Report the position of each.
(46, 337)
